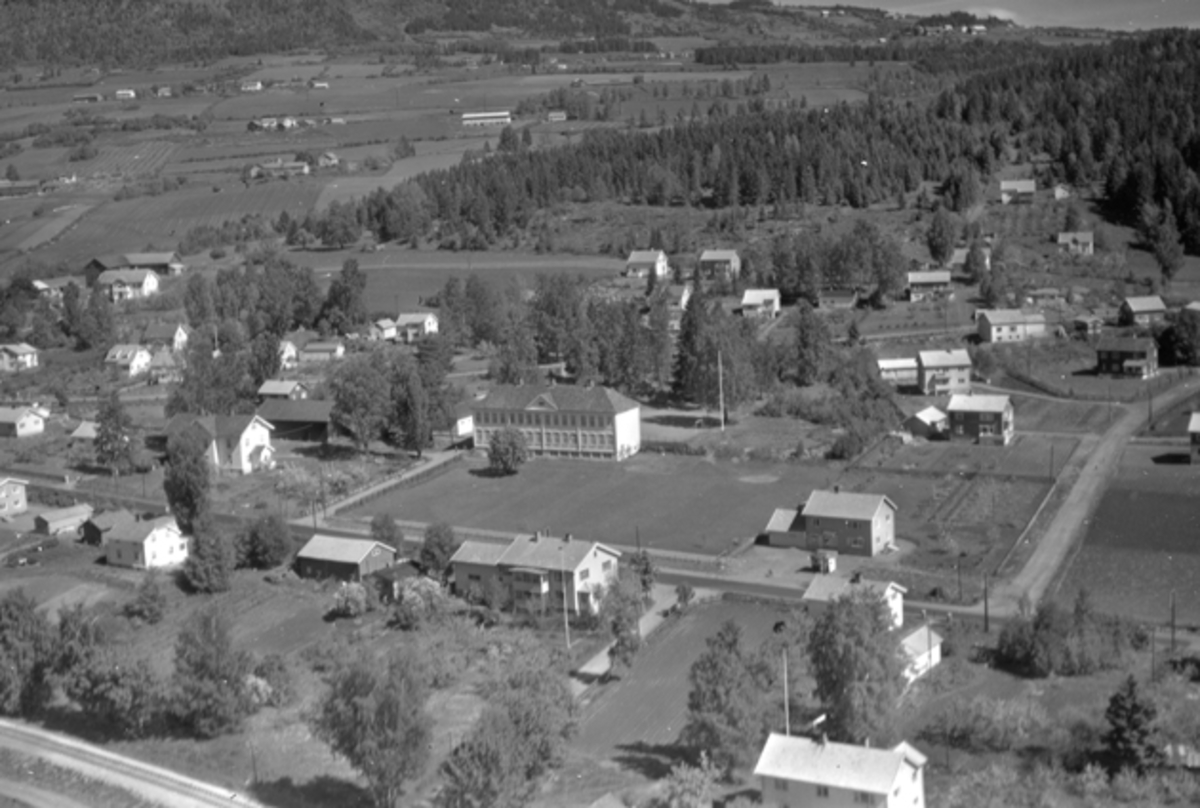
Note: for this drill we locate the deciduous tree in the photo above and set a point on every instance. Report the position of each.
(124, 696)
(114, 438)
(188, 477)
(26, 649)
(374, 716)
(361, 396)
(507, 450)
(209, 683)
(384, 529)
(150, 605)
(439, 545)
(209, 566)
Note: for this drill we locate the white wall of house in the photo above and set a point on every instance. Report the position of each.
(909, 792)
(164, 547)
(12, 498)
(628, 433)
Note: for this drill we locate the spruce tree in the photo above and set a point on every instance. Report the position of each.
(1129, 741)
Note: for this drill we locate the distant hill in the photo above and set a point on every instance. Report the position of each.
(147, 32)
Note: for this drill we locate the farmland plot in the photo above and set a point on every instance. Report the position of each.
(139, 160)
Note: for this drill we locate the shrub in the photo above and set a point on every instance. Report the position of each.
(151, 602)
(351, 600)
(990, 725)
(274, 671)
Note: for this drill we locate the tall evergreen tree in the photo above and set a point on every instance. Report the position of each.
(1130, 740)
(114, 438)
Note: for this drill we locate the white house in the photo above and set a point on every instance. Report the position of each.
(562, 421)
(644, 262)
(133, 360)
(927, 423)
(900, 371)
(127, 284)
(411, 326)
(942, 372)
(922, 648)
(1077, 243)
(172, 336)
(716, 264)
(149, 544)
(18, 356)
(924, 283)
(852, 523)
(795, 772)
(825, 589)
(1017, 191)
(252, 86)
(1009, 325)
(322, 351)
(760, 303)
(237, 443)
(20, 422)
(12, 496)
(384, 329)
(289, 354)
(532, 571)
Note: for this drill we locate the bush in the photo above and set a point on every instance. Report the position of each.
(351, 601)
(990, 725)
(151, 603)
(275, 672)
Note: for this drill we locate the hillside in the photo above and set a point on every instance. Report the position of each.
(117, 33)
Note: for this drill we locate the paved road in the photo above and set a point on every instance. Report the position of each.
(36, 797)
(152, 783)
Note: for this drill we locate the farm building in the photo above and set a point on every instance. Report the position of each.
(1194, 437)
(127, 284)
(928, 423)
(562, 421)
(343, 559)
(278, 169)
(503, 118)
(1144, 311)
(928, 283)
(901, 371)
(95, 531)
(533, 571)
(798, 771)
(300, 419)
(132, 360)
(1077, 243)
(288, 390)
(720, 264)
(838, 299)
(1087, 325)
(1017, 191)
(149, 544)
(854, 524)
(411, 326)
(922, 648)
(981, 419)
(86, 431)
(125, 95)
(556, 116)
(1130, 356)
(942, 372)
(12, 496)
(62, 520)
(1009, 325)
(642, 263)
(762, 303)
(322, 351)
(786, 528)
(1046, 296)
(237, 443)
(17, 357)
(825, 589)
(166, 264)
(384, 329)
(172, 336)
(20, 422)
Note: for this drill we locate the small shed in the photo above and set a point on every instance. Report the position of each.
(922, 651)
(785, 529)
(96, 530)
(62, 520)
(342, 558)
(929, 422)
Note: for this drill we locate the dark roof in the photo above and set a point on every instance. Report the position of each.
(110, 261)
(112, 519)
(213, 426)
(285, 410)
(1126, 344)
(565, 398)
(160, 331)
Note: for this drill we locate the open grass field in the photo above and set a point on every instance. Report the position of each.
(430, 156)
(1026, 456)
(1046, 415)
(1141, 544)
(636, 719)
(140, 160)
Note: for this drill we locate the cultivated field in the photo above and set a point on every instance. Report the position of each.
(1045, 415)
(1026, 456)
(1142, 542)
(430, 156)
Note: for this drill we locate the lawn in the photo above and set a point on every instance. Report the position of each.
(1045, 415)
(1026, 456)
(635, 720)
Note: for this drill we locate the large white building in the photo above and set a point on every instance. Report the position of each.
(802, 772)
(503, 118)
(562, 420)
(1009, 325)
(146, 545)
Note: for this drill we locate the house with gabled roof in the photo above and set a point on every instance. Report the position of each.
(172, 336)
(62, 520)
(1135, 357)
(165, 368)
(412, 326)
(146, 544)
(20, 422)
(95, 530)
(899, 371)
(1009, 325)
(237, 443)
(344, 559)
(946, 371)
(642, 263)
(562, 420)
(1144, 311)
(717, 264)
(1194, 438)
(287, 389)
(383, 329)
(825, 589)
(980, 419)
(127, 284)
(12, 496)
(86, 431)
(290, 346)
(922, 651)
(132, 360)
(54, 288)
(299, 419)
(851, 523)
(321, 351)
(763, 303)
(531, 572)
(795, 771)
(1078, 242)
(928, 283)
(162, 263)
(928, 423)
(838, 299)
(16, 357)
(1017, 191)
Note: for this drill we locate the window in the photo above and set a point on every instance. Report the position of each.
(781, 785)
(822, 791)
(862, 798)
(583, 574)
(607, 565)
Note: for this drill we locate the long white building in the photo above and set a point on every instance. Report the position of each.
(487, 118)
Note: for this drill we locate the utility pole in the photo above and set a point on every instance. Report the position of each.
(1051, 462)
(721, 388)
(787, 713)
(1172, 622)
(562, 573)
(958, 569)
(987, 623)
(1150, 394)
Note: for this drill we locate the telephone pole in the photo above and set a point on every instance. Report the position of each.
(721, 388)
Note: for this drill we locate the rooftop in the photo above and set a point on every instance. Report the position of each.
(563, 397)
(1076, 237)
(1194, 423)
(70, 512)
(930, 415)
(285, 410)
(929, 276)
(719, 255)
(137, 532)
(151, 259)
(338, 549)
(11, 415)
(920, 640)
(134, 276)
(644, 256)
(901, 363)
(111, 519)
(759, 297)
(1147, 303)
(783, 521)
(1012, 317)
(278, 387)
(945, 359)
(972, 403)
(532, 552)
(828, 588)
(836, 765)
(161, 331)
(845, 505)
(1020, 186)
(414, 318)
